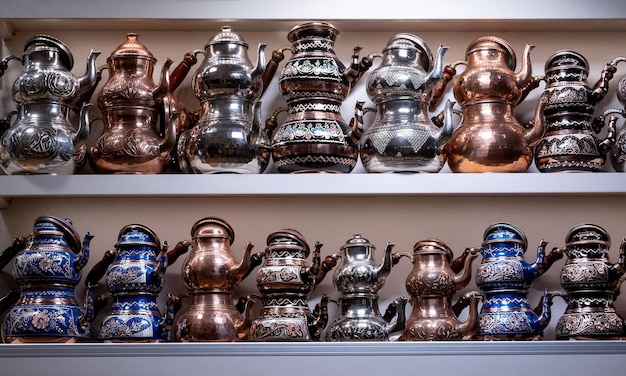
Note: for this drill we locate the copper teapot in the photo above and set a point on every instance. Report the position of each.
(134, 109)
(211, 275)
(489, 137)
(431, 285)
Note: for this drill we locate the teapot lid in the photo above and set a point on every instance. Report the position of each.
(357, 241)
(50, 223)
(504, 232)
(587, 233)
(491, 42)
(408, 40)
(226, 36)
(291, 234)
(132, 47)
(213, 227)
(566, 59)
(318, 29)
(428, 245)
(137, 234)
(43, 41)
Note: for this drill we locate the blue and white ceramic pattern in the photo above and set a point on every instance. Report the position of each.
(47, 272)
(135, 278)
(504, 278)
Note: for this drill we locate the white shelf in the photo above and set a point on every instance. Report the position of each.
(310, 185)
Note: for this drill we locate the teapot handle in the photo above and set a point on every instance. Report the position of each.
(272, 65)
(449, 71)
(4, 63)
(182, 69)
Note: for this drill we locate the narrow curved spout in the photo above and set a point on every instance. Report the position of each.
(90, 78)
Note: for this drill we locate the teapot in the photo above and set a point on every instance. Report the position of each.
(358, 279)
(314, 82)
(565, 110)
(431, 285)
(47, 271)
(211, 275)
(131, 104)
(285, 282)
(43, 138)
(226, 137)
(402, 138)
(489, 137)
(591, 284)
(134, 273)
(504, 279)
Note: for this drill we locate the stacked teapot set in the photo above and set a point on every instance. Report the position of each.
(147, 130)
(48, 266)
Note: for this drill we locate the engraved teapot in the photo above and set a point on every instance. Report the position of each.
(565, 110)
(591, 285)
(135, 112)
(134, 274)
(47, 272)
(285, 281)
(314, 137)
(43, 139)
(212, 275)
(358, 279)
(504, 278)
(431, 285)
(402, 138)
(489, 137)
(226, 137)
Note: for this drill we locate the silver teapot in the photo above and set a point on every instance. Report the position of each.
(402, 138)
(359, 278)
(228, 85)
(43, 138)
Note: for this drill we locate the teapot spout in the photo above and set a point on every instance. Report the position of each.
(243, 328)
(79, 138)
(89, 313)
(462, 278)
(245, 265)
(437, 72)
(162, 263)
(320, 318)
(524, 75)
(471, 324)
(90, 78)
(396, 309)
(169, 140)
(544, 310)
(83, 256)
(259, 69)
(543, 262)
(173, 305)
(618, 270)
(385, 267)
(354, 72)
(356, 123)
(163, 88)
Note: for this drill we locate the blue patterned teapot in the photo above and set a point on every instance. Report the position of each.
(504, 279)
(47, 272)
(135, 272)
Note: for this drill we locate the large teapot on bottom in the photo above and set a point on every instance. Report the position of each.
(47, 271)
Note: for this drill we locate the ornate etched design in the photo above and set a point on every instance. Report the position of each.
(61, 84)
(415, 133)
(297, 94)
(571, 165)
(324, 160)
(32, 85)
(278, 275)
(47, 266)
(357, 330)
(320, 68)
(285, 302)
(434, 284)
(570, 144)
(505, 323)
(326, 131)
(277, 253)
(585, 274)
(567, 95)
(54, 320)
(501, 273)
(315, 44)
(314, 106)
(441, 331)
(280, 330)
(140, 326)
(595, 325)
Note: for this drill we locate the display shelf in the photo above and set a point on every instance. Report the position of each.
(310, 185)
(496, 358)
